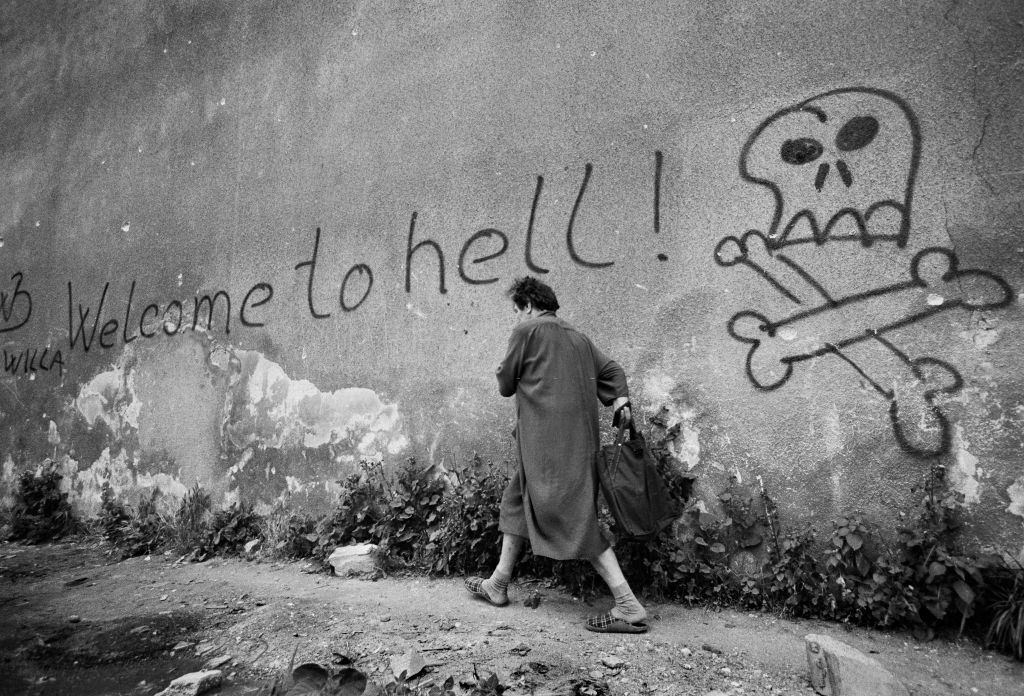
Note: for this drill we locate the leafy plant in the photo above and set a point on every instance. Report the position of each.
(290, 534)
(1006, 622)
(231, 529)
(849, 565)
(361, 505)
(191, 522)
(403, 687)
(413, 507)
(113, 515)
(41, 511)
(145, 530)
(467, 539)
(934, 582)
(796, 584)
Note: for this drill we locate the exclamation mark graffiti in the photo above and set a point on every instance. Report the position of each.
(658, 159)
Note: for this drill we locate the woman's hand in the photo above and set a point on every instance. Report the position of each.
(623, 412)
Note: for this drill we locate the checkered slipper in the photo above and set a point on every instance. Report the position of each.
(475, 586)
(606, 623)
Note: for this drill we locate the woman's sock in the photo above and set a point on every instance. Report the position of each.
(496, 586)
(627, 606)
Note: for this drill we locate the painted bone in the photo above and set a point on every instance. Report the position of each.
(936, 284)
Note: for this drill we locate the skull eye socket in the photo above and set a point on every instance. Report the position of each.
(801, 151)
(856, 133)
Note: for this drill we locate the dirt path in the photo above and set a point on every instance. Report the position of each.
(142, 622)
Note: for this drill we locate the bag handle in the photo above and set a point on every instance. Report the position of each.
(619, 438)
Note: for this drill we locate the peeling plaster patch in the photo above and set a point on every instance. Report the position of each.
(111, 396)
(982, 338)
(240, 464)
(685, 447)
(220, 358)
(282, 411)
(85, 487)
(7, 482)
(966, 473)
(1016, 493)
(294, 484)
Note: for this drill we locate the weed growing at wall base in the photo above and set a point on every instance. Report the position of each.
(41, 509)
(1004, 611)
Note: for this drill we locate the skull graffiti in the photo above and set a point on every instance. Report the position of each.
(841, 166)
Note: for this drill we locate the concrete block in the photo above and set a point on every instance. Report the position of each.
(193, 684)
(836, 669)
(353, 560)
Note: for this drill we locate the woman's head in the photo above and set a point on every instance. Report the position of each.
(529, 290)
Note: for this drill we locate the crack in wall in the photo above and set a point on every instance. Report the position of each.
(975, 97)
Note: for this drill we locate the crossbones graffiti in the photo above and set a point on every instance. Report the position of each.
(841, 167)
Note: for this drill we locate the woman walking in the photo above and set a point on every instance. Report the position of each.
(557, 376)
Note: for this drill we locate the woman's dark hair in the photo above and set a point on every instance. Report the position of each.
(529, 289)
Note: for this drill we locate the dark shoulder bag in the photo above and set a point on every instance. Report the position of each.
(634, 490)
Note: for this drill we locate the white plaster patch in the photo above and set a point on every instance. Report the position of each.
(7, 479)
(110, 396)
(229, 498)
(982, 338)
(685, 447)
(240, 464)
(301, 414)
(172, 489)
(85, 486)
(964, 477)
(1016, 493)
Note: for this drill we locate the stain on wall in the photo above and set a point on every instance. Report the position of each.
(246, 246)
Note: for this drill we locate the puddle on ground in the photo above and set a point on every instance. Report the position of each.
(126, 657)
(136, 679)
(143, 678)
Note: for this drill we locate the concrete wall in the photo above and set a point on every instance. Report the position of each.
(249, 244)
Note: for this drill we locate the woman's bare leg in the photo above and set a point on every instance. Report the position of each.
(511, 547)
(495, 588)
(627, 606)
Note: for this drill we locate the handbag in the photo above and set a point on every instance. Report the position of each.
(632, 487)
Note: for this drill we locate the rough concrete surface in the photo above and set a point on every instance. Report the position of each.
(355, 559)
(194, 683)
(836, 669)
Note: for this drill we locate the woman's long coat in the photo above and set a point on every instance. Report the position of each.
(557, 376)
